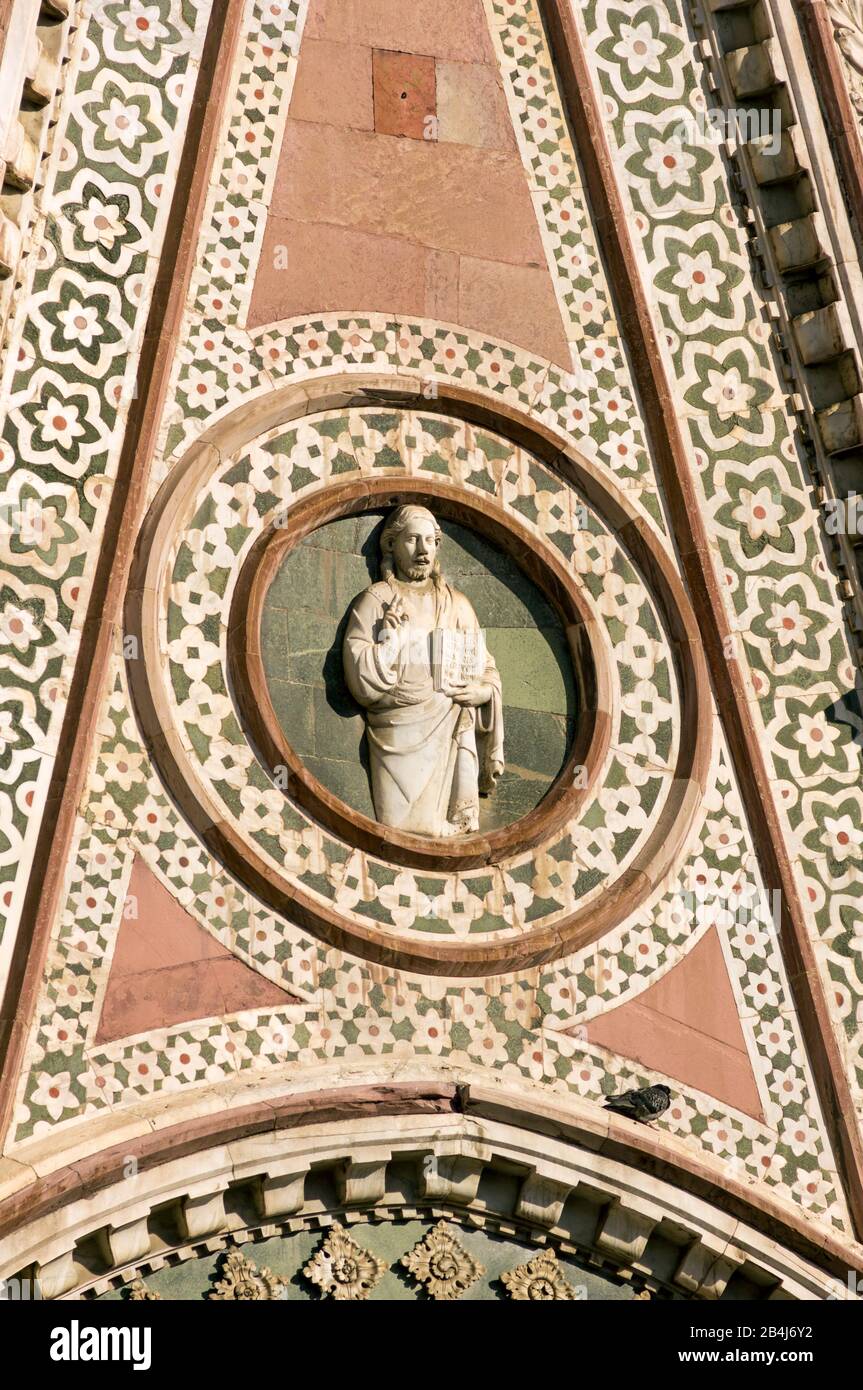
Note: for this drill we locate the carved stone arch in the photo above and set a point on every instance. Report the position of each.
(593, 1189)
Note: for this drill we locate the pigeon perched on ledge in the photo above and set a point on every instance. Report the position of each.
(644, 1105)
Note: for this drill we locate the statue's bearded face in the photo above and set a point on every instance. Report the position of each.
(415, 550)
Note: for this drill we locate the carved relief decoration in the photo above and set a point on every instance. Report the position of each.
(342, 1269)
(434, 721)
(847, 18)
(138, 1292)
(645, 748)
(769, 563)
(540, 1280)
(440, 1262)
(242, 1281)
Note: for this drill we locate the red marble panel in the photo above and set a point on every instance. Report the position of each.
(514, 302)
(331, 268)
(446, 197)
(167, 969)
(382, 220)
(453, 29)
(404, 94)
(687, 1027)
(318, 97)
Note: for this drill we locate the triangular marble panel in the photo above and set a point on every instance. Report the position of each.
(167, 969)
(368, 215)
(687, 1027)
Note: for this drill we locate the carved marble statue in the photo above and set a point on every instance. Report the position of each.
(415, 659)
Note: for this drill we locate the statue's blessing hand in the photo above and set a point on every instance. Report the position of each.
(394, 616)
(469, 692)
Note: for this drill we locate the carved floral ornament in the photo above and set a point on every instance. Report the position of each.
(242, 1281)
(215, 540)
(440, 1262)
(139, 1292)
(342, 1269)
(847, 18)
(541, 1280)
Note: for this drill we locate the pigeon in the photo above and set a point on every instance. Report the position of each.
(644, 1105)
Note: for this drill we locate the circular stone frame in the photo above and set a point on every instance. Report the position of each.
(593, 679)
(422, 953)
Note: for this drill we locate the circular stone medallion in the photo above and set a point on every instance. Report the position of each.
(224, 588)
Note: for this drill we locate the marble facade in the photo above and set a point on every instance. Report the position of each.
(272, 274)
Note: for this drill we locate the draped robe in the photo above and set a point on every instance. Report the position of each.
(430, 758)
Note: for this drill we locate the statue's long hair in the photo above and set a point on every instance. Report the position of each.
(396, 522)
